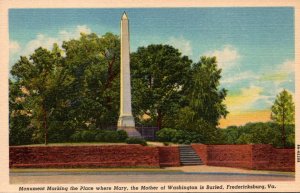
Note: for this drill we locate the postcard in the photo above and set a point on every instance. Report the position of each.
(156, 96)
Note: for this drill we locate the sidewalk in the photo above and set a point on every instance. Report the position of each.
(182, 169)
(216, 169)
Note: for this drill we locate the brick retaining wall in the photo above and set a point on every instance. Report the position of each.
(260, 156)
(169, 156)
(84, 156)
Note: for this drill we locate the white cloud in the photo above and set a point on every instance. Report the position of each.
(247, 75)
(227, 57)
(73, 34)
(41, 40)
(182, 44)
(288, 67)
(14, 47)
(83, 29)
(45, 41)
(283, 72)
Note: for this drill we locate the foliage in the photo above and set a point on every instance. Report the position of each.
(283, 112)
(65, 90)
(206, 100)
(135, 140)
(72, 93)
(182, 136)
(259, 133)
(99, 136)
(203, 103)
(20, 131)
(159, 73)
(166, 134)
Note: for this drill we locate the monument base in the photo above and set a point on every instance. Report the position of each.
(131, 132)
(127, 124)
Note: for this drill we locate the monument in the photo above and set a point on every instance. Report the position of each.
(126, 120)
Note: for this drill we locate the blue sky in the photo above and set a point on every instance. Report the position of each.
(254, 46)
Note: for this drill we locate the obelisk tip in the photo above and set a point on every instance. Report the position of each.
(124, 16)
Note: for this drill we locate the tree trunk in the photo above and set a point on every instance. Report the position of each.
(45, 125)
(283, 130)
(283, 136)
(159, 119)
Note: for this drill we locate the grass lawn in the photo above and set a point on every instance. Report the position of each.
(150, 143)
(74, 144)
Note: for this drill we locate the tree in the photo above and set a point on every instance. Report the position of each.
(71, 88)
(20, 131)
(159, 75)
(283, 112)
(39, 78)
(93, 65)
(203, 93)
(203, 102)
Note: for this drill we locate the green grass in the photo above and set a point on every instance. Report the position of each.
(73, 144)
(150, 143)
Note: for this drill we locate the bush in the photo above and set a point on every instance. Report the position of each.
(178, 136)
(99, 136)
(135, 140)
(76, 137)
(122, 135)
(88, 136)
(259, 133)
(166, 135)
(166, 143)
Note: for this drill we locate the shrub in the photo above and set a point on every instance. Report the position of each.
(88, 136)
(99, 136)
(122, 135)
(166, 143)
(178, 136)
(76, 137)
(167, 135)
(135, 140)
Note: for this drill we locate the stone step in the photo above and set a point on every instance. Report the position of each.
(188, 156)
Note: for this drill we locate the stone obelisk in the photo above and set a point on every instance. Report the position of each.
(126, 120)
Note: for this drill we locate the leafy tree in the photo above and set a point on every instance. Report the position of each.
(39, 77)
(92, 64)
(159, 75)
(203, 93)
(283, 112)
(203, 102)
(69, 89)
(20, 131)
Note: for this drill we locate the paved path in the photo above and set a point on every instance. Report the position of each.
(199, 174)
(214, 169)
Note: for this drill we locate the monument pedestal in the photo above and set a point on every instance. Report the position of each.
(127, 124)
(126, 121)
(131, 132)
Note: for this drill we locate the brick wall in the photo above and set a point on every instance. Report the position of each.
(261, 157)
(84, 156)
(229, 155)
(265, 157)
(169, 156)
(201, 151)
